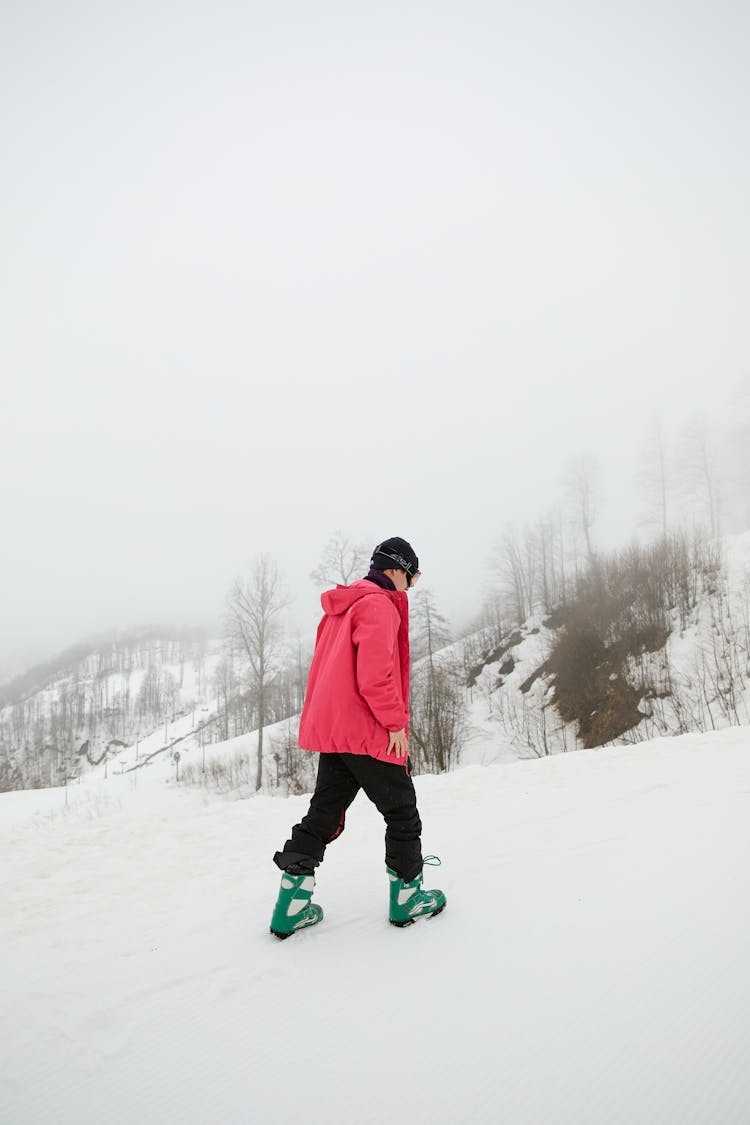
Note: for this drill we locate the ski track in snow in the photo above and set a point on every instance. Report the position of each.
(591, 965)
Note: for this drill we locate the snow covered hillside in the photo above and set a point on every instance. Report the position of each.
(150, 690)
(591, 965)
(695, 678)
(493, 696)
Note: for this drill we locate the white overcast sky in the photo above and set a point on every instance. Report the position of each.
(273, 269)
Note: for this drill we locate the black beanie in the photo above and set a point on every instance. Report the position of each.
(395, 554)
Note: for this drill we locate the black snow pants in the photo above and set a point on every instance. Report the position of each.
(340, 777)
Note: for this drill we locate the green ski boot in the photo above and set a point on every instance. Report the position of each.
(293, 910)
(409, 902)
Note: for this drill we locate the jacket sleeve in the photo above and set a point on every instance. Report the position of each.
(375, 636)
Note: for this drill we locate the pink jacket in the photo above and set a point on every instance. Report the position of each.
(358, 688)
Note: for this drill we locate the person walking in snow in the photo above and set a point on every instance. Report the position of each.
(356, 716)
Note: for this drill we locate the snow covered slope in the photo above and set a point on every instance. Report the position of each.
(157, 706)
(146, 693)
(698, 681)
(591, 966)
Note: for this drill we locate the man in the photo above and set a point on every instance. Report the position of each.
(356, 716)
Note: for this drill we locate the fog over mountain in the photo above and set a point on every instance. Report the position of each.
(270, 272)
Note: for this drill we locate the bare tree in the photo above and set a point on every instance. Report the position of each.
(580, 483)
(254, 606)
(531, 569)
(699, 477)
(438, 716)
(428, 628)
(437, 697)
(225, 686)
(342, 561)
(515, 569)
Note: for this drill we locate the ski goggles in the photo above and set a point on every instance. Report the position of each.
(412, 575)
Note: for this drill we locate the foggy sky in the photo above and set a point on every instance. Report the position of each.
(271, 270)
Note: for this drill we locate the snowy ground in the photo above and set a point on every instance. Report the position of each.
(592, 965)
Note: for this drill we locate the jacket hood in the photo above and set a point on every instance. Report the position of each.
(343, 598)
